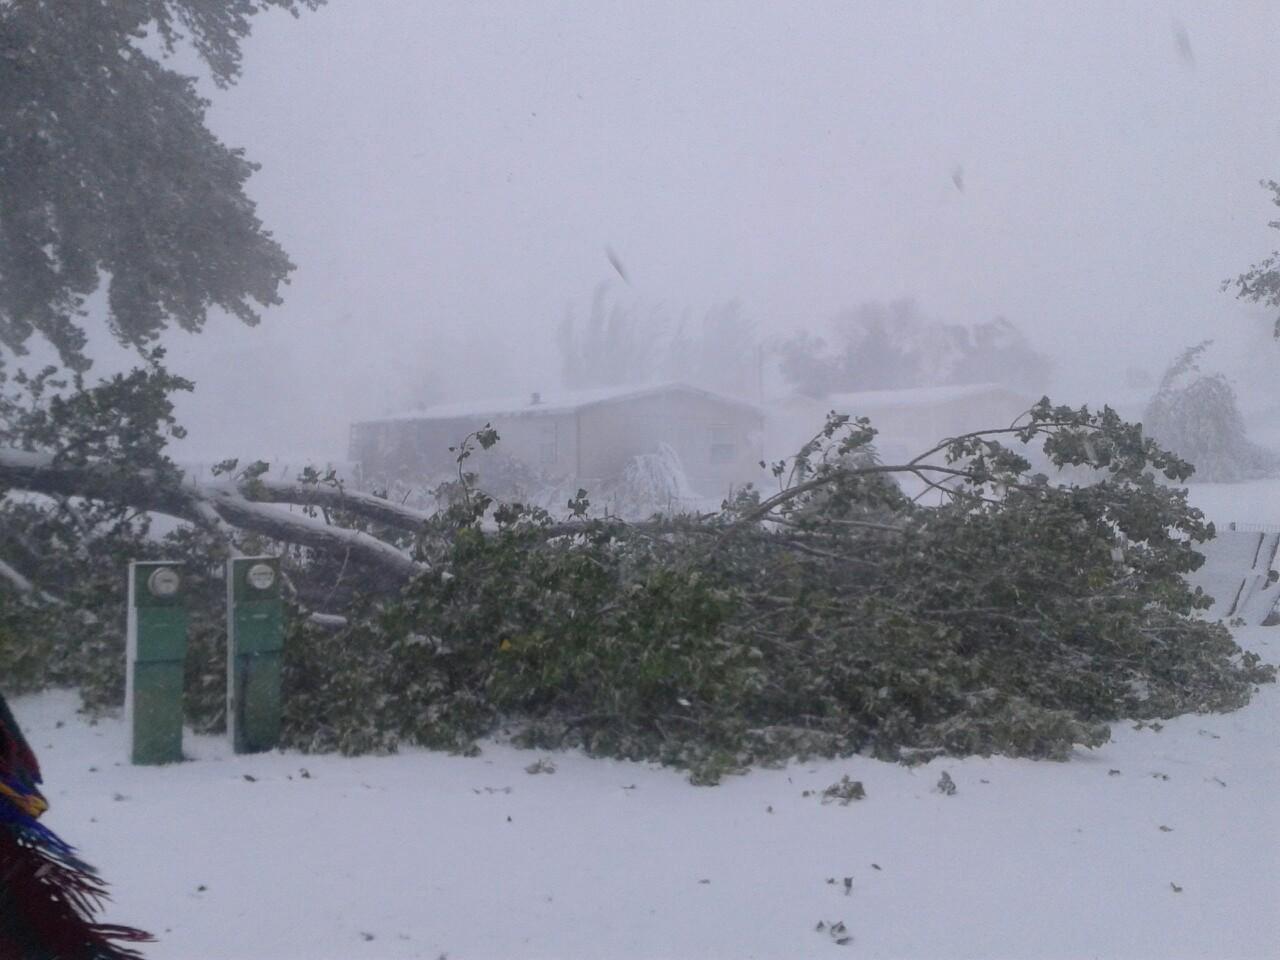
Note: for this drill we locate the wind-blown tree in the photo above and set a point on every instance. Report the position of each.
(615, 345)
(624, 342)
(720, 353)
(112, 178)
(1195, 415)
(1261, 282)
(111, 175)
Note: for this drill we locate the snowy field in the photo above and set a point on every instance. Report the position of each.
(1164, 843)
(1256, 501)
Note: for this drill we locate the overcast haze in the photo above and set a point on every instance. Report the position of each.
(447, 178)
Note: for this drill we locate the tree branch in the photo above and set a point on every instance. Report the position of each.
(363, 505)
(209, 507)
(25, 587)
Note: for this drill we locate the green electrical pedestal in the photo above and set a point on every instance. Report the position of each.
(155, 655)
(255, 639)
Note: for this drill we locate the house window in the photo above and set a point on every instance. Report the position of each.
(547, 443)
(723, 449)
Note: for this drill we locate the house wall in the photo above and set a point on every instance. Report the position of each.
(545, 442)
(611, 433)
(420, 448)
(719, 444)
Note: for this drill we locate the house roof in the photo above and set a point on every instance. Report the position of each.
(556, 402)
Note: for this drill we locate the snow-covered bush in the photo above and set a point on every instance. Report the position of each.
(1195, 415)
(651, 483)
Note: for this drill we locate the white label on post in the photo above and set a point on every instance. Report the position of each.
(261, 576)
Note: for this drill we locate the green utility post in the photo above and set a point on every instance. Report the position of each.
(155, 652)
(255, 639)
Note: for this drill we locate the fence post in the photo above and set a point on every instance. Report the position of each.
(156, 650)
(255, 639)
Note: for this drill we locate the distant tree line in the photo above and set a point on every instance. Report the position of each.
(885, 346)
(874, 346)
(621, 341)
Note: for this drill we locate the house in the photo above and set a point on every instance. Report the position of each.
(909, 420)
(586, 437)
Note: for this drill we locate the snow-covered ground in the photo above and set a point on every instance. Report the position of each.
(1164, 843)
(1255, 501)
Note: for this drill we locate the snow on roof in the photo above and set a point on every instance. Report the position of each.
(866, 400)
(563, 401)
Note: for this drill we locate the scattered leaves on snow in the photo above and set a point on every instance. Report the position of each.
(838, 932)
(844, 792)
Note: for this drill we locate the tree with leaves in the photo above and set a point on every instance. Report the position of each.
(1261, 282)
(623, 342)
(111, 176)
(888, 346)
(1195, 414)
(110, 171)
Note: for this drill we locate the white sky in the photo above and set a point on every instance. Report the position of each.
(447, 176)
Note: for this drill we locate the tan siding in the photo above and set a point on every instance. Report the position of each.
(530, 437)
(611, 433)
(590, 444)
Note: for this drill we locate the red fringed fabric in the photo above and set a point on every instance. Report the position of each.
(45, 906)
(48, 896)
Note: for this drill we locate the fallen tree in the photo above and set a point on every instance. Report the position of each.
(836, 614)
(245, 505)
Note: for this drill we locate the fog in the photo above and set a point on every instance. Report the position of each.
(450, 179)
